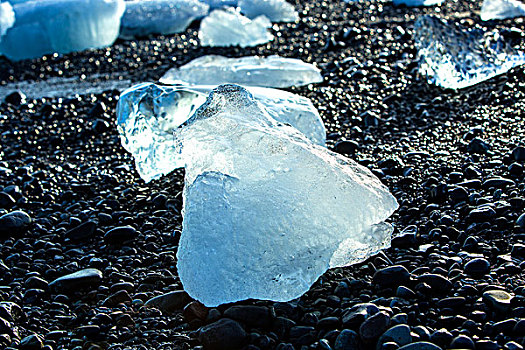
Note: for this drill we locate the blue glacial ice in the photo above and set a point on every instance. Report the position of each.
(61, 26)
(267, 212)
(215, 4)
(454, 57)
(501, 9)
(416, 3)
(271, 71)
(160, 16)
(7, 17)
(229, 28)
(149, 114)
(275, 10)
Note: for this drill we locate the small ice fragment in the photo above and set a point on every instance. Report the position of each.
(501, 9)
(271, 71)
(148, 115)
(66, 87)
(159, 16)
(7, 17)
(275, 10)
(215, 4)
(229, 28)
(416, 3)
(454, 57)
(47, 26)
(266, 212)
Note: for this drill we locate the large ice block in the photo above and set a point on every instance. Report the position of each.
(275, 10)
(62, 26)
(229, 28)
(501, 9)
(416, 3)
(144, 17)
(271, 71)
(149, 114)
(266, 212)
(7, 17)
(454, 57)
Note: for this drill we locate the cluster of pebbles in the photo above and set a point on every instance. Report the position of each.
(87, 254)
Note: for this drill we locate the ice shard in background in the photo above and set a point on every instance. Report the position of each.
(501, 9)
(160, 16)
(149, 114)
(266, 212)
(275, 10)
(67, 86)
(416, 3)
(215, 4)
(271, 71)
(454, 57)
(62, 26)
(229, 28)
(7, 17)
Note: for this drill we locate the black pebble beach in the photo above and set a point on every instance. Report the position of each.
(88, 250)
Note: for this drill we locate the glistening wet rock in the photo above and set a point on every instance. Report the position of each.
(391, 276)
(374, 326)
(170, 302)
(120, 234)
(83, 231)
(251, 315)
(87, 278)
(14, 223)
(223, 334)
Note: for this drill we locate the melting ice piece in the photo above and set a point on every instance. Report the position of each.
(48, 26)
(214, 4)
(7, 17)
(275, 10)
(266, 212)
(455, 58)
(160, 16)
(272, 71)
(149, 114)
(229, 28)
(66, 87)
(415, 3)
(501, 9)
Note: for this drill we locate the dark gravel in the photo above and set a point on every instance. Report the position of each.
(70, 200)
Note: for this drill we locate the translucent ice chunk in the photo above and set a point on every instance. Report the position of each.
(229, 28)
(214, 4)
(275, 10)
(415, 3)
(501, 9)
(48, 26)
(7, 17)
(144, 17)
(148, 115)
(454, 57)
(272, 71)
(66, 87)
(266, 212)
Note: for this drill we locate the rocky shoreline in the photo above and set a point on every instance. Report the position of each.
(453, 279)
